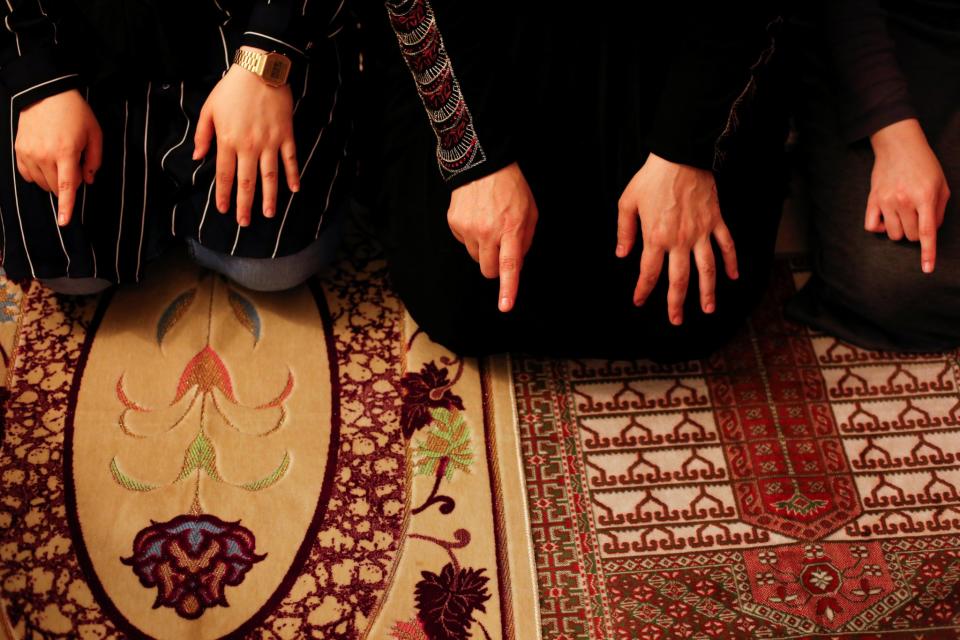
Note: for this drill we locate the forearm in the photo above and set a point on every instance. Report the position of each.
(872, 90)
(710, 80)
(292, 27)
(457, 65)
(32, 64)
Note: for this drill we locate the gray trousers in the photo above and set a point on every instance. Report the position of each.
(865, 288)
(257, 274)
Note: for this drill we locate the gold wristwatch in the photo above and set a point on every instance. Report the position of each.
(273, 68)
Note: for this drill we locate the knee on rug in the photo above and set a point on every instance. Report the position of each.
(76, 286)
(268, 274)
(903, 301)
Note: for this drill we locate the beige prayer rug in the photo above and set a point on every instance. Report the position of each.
(190, 460)
(790, 486)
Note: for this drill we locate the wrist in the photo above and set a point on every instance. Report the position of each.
(70, 94)
(897, 136)
(247, 47)
(272, 68)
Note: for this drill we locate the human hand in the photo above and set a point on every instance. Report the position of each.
(908, 191)
(58, 147)
(495, 217)
(678, 210)
(252, 122)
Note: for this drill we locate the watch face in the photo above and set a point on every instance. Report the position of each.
(276, 68)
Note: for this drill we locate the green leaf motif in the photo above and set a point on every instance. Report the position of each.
(448, 438)
(174, 312)
(200, 455)
(126, 481)
(272, 478)
(246, 313)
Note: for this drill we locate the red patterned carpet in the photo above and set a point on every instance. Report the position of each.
(791, 486)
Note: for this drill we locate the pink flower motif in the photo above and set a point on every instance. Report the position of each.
(205, 378)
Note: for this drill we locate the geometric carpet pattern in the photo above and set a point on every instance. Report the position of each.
(788, 486)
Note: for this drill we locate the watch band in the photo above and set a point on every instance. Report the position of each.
(273, 68)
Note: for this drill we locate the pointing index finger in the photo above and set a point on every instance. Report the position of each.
(511, 258)
(928, 236)
(68, 177)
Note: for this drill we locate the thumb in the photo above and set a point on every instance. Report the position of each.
(204, 135)
(626, 228)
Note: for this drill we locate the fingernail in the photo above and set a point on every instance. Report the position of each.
(736, 274)
(637, 302)
(296, 188)
(709, 308)
(621, 251)
(676, 319)
(268, 213)
(927, 266)
(504, 303)
(244, 222)
(62, 219)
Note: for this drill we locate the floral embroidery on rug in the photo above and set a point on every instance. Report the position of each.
(190, 460)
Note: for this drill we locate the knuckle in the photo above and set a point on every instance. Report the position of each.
(484, 229)
(509, 264)
(66, 148)
(245, 184)
(45, 153)
(270, 176)
(225, 179)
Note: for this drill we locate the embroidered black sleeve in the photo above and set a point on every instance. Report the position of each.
(423, 49)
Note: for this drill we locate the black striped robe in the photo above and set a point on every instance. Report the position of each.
(146, 67)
